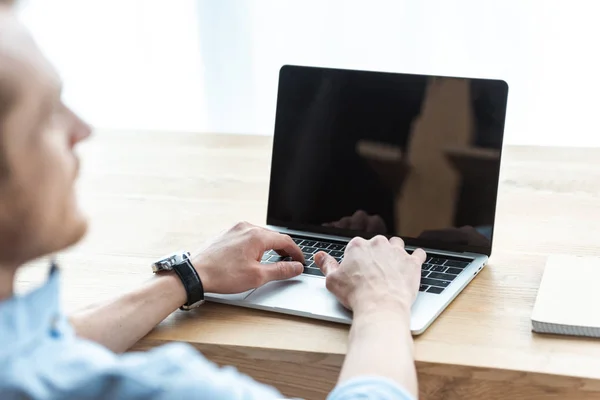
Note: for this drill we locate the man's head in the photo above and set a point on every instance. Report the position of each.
(38, 166)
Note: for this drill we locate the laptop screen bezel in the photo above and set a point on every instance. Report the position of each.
(409, 241)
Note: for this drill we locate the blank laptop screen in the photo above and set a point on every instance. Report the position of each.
(366, 153)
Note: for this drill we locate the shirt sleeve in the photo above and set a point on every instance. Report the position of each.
(369, 388)
(85, 370)
(184, 373)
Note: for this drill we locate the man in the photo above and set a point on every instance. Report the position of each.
(45, 355)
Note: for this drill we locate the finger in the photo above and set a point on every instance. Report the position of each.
(397, 242)
(326, 263)
(282, 244)
(355, 242)
(420, 255)
(281, 270)
(359, 220)
(379, 240)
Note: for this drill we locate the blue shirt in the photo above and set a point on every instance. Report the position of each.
(42, 358)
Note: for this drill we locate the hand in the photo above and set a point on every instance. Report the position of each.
(231, 262)
(374, 274)
(361, 221)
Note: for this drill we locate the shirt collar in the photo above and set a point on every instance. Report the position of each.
(33, 314)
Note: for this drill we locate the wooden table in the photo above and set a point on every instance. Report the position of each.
(151, 193)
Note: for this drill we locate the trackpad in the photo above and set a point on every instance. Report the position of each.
(304, 294)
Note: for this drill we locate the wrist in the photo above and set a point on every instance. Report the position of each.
(396, 319)
(171, 288)
(202, 267)
(380, 305)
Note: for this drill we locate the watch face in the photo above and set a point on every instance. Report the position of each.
(166, 263)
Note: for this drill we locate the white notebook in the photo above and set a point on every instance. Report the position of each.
(565, 304)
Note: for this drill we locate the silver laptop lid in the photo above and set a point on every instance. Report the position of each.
(365, 153)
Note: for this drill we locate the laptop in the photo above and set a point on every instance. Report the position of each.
(364, 153)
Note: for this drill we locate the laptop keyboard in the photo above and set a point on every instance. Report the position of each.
(439, 271)
(309, 248)
(436, 274)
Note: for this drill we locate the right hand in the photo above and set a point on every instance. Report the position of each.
(230, 263)
(374, 274)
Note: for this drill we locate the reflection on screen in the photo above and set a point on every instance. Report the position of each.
(367, 153)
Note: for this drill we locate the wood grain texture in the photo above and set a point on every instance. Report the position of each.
(148, 193)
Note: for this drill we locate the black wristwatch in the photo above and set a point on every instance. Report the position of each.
(181, 263)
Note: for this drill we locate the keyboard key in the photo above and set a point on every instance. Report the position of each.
(265, 257)
(308, 243)
(309, 250)
(443, 277)
(434, 282)
(308, 256)
(321, 245)
(427, 267)
(309, 263)
(438, 268)
(275, 258)
(336, 253)
(436, 261)
(454, 271)
(334, 246)
(287, 259)
(272, 253)
(456, 264)
(338, 259)
(298, 241)
(435, 290)
(313, 271)
(424, 274)
(423, 288)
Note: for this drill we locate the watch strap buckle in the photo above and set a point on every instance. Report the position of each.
(197, 304)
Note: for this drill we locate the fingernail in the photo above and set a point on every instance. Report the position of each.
(298, 268)
(319, 257)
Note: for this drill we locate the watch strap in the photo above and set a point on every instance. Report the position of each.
(191, 282)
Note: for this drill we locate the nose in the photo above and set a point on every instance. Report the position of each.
(80, 130)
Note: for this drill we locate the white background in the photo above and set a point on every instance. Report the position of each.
(211, 65)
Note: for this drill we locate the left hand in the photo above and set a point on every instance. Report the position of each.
(376, 274)
(231, 262)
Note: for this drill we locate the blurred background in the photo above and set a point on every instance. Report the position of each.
(212, 65)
